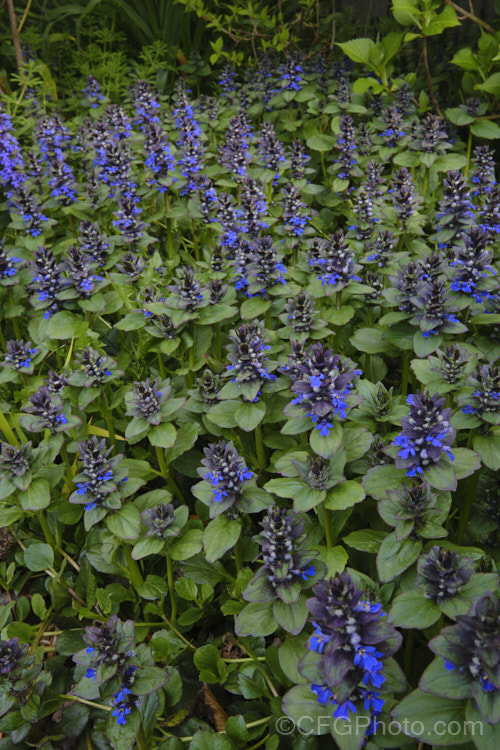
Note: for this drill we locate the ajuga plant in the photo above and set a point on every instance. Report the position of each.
(249, 389)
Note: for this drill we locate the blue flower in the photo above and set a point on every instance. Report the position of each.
(308, 572)
(323, 692)
(372, 701)
(121, 712)
(318, 639)
(342, 710)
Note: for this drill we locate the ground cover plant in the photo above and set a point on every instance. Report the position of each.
(250, 410)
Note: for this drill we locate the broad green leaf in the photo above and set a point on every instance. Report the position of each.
(320, 142)
(486, 129)
(39, 556)
(422, 713)
(365, 540)
(126, 523)
(187, 545)
(359, 50)
(248, 416)
(395, 556)
(219, 536)
(439, 681)
(256, 619)
(344, 495)
(36, 497)
(413, 610)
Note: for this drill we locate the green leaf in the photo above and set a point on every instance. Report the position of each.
(205, 740)
(219, 536)
(306, 498)
(223, 414)
(485, 736)
(488, 447)
(382, 478)
(39, 556)
(123, 736)
(162, 435)
(291, 651)
(466, 59)
(445, 162)
(131, 322)
(356, 441)
(465, 463)
(439, 681)
(187, 545)
(285, 486)
(149, 679)
(256, 619)
(153, 588)
(438, 22)
(126, 524)
(64, 325)
(366, 540)
(321, 142)
(344, 495)
(422, 713)
(340, 316)
(38, 606)
(236, 730)
(441, 476)
(370, 340)
(491, 85)
(486, 129)
(36, 497)
(291, 617)
(413, 610)
(248, 416)
(335, 559)
(254, 308)
(149, 545)
(359, 50)
(406, 12)
(395, 556)
(301, 705)
(326, 446)
(458, 116)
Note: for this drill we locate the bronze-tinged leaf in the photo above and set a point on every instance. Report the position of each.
(219, 716)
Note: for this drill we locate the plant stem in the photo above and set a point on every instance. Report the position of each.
(259, 447)
(171, 590)
(328, 527)
(161, 366)
(429, 78)
(15, 35)
(237, 556)
(7, 430)
(323, 167)
(408, 656)
(133, 569)
(406, 369)
(268, 319)
(69, 471)
(49, 537)
(86, 702)
(195, 242)
(469, 501)
(218, 350)
(469, 149)
(109, 420)
(160, 457)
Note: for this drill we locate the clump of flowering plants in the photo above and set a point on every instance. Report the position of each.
(249, 408)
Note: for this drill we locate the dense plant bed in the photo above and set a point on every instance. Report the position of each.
(250, 417)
